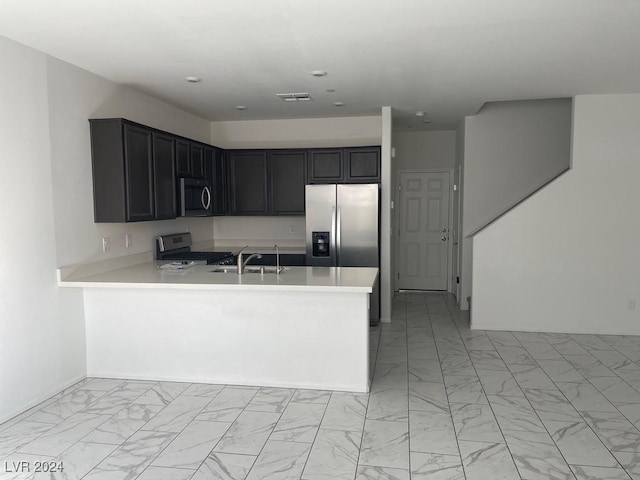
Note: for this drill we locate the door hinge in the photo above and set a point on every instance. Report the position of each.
(399, 187)
(398, 275)
(457, 279)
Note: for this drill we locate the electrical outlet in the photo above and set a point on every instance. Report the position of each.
(106, 244)
(631, 304)
(128, 240)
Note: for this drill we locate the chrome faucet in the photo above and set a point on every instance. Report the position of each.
(242, 264)
(277, 259)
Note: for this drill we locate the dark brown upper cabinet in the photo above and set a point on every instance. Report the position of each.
(267, 182)
(344, 165)
(183, 158)
(197, 160)
(326, 165)
(248, 182)
(131, 172)
(138, 162)
(135, 170)
(214, 168)
(164, 155)
(287, 179)
(362, 165)
(189, 159)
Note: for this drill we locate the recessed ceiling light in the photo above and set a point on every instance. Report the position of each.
(338, 104)
(240, 107)
(331, 90)
(318, 73)
(193, 79)
(419, 113)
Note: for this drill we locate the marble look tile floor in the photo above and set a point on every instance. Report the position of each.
(446, 403)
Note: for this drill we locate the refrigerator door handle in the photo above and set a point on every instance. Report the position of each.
(338, 235)
(332, 244)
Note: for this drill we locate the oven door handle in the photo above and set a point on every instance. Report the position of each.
(208, 202)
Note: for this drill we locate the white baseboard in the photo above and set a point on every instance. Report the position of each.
(41, 399)
(231, 381)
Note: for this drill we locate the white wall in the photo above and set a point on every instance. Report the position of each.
(259, 231)
(386, 195)
(512, 149)
(41, 328)
(465, 253)
(566, 259)
(46, 206)
(76, 95)
(424, 150)
(298, 132)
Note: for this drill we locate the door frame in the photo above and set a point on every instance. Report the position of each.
(399, 172)
(455, 275)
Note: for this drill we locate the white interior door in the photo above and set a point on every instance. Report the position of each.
(423, 231)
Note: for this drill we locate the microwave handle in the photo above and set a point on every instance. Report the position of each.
(208, 203)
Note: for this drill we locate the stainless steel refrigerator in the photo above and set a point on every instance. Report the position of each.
(343, 229)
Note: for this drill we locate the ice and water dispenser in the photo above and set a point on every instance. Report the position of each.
(320, 242)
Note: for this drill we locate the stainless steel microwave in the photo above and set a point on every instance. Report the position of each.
(196, 199)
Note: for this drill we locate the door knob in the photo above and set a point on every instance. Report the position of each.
(444, 230)
(444, 239)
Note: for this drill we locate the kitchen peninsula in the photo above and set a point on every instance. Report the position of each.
(305, 328)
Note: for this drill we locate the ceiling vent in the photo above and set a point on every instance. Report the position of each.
(294, 97)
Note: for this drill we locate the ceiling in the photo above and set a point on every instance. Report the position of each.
(443, 57)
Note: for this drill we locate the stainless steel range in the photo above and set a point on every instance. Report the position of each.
(177, 246)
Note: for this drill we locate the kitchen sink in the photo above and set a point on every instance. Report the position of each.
(224, 269)
(261, 269)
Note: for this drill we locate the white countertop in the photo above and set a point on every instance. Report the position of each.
(200, 277)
